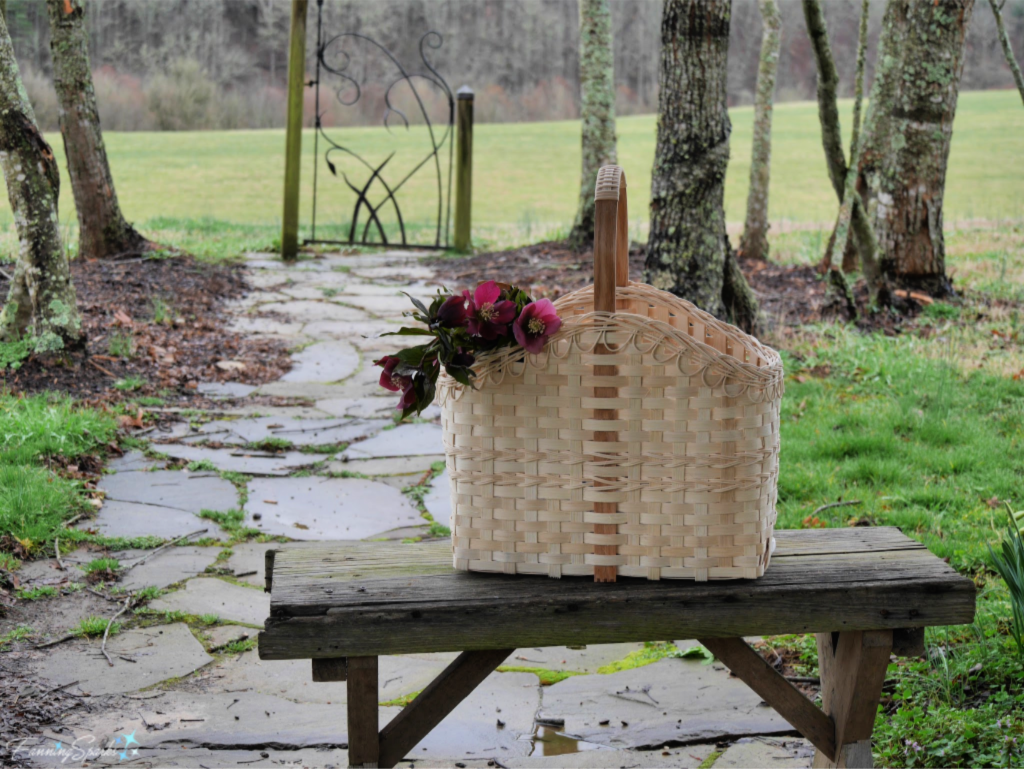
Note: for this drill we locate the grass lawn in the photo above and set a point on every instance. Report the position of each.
(188, 188)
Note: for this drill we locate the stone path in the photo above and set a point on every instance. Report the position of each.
(186, 688)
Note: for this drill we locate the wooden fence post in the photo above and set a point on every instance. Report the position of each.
(464, 169)
(293, 136)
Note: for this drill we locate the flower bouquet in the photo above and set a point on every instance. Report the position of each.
(461, 326)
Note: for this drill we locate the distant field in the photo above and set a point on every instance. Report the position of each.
(526, 175)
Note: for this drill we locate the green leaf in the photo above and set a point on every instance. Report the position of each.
(410, 331)
(419, 305)
(696, 652)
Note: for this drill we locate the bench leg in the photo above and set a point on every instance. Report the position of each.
(363, 742)
(852, 667)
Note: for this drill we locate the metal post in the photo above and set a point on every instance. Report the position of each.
(464, 169)
(293, 138)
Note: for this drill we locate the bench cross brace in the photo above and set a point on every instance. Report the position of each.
(852, 668)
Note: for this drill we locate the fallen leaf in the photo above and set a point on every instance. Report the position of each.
(230, 365)
(302, 526)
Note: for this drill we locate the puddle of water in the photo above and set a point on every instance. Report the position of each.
(550, 742)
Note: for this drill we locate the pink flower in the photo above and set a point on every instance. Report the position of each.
(489, 318)
(455, 311)
(535, 324)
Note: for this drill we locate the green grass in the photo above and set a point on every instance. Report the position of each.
(921, 444)
(217, 193)
(130, 384)
(100, 565)
(120, 345)
(35, 593)
(94, 627)
(20, 633)
(34, 500)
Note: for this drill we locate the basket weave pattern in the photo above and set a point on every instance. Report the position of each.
(693, 471)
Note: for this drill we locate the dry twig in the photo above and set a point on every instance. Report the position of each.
(103, 646)
(830, 505)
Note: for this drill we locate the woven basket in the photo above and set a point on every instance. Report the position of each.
(643, 441)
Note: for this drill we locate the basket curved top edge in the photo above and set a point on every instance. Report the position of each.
(634, 290)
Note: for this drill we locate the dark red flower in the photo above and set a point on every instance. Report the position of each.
(535, 324)
(408, 395)
(455, 311)
(388, 379)
(489, 318)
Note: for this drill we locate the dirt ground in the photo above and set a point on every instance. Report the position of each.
(170, 312)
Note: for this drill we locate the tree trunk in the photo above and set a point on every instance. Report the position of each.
(687, 251)
(597, 110)
(907, 134)
(103, 231)
(41, 301)
(754, 244)
(1004, 41)
(832, 141)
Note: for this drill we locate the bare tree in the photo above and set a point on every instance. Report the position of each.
(103, 231)
(1004, 40)
(597, 109)
(41, 302)
(832, 141)
(754, 244)
(907, 133)
(688, 250)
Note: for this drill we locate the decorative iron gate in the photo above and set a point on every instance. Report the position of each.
(376, 208)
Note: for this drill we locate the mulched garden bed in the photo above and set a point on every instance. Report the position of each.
(170, 311)
(790, 295)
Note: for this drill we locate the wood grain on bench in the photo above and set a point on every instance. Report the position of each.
(350, 599)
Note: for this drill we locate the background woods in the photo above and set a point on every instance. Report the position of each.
(201, 64)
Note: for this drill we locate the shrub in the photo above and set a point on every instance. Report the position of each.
(181, 99)
(1010, 565)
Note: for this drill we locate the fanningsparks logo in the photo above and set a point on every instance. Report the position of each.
(83, 748)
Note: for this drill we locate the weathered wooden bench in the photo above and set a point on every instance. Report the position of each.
(866, 593)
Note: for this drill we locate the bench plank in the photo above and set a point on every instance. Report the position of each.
(356, 599)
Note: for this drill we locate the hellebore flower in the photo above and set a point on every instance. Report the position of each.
(535, 324)
(388, 379)
(455, 311)
(489, 318)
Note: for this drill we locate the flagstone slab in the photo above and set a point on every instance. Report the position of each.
(473, 728)
(134, 519)
(226, 389)
(673, 700)
(177, 722)
(260, 326)
(375, 289)
(314, 390)
(305, 311)
(389, 466)
(406, 440)
(363, 335)
(561, 757)
(323, 362)
(438, 500)
(166, 567)
(380, 407)
(385, 306)
(791, 753)
(176, 489)
(132, 460)
(157, 653)
(586, 660)
(292, 679)
(222, 635)
(308, 290)
(189, 757)
(208, 595)
(408, 272)
(250, 557)
(299, 432)
(327, 508)
(241, 461)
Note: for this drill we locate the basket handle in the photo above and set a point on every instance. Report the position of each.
(611, 236)
(611, 269)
